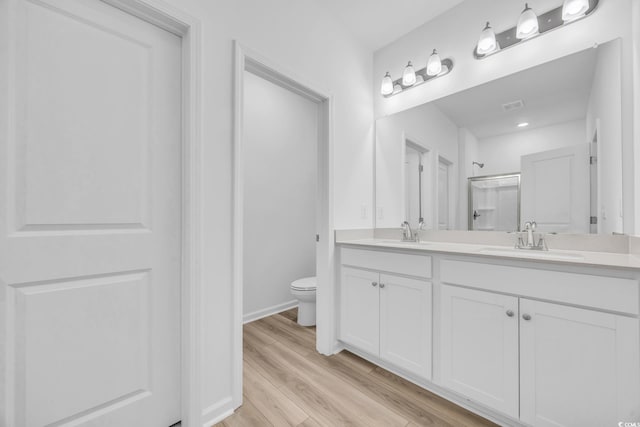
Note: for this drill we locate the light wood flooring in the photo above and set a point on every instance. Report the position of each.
(287, 383)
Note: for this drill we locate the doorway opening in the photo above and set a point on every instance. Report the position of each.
(280, 139)
(293, 164)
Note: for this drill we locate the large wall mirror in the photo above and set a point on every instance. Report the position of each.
(543, 145)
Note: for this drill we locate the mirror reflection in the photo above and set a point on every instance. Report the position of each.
(542, 145)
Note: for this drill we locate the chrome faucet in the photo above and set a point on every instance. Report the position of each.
(407, 234)
(531, 244)
(530, 227)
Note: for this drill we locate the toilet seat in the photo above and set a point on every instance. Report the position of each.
(304, 284)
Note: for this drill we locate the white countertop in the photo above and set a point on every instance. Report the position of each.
(565, 257)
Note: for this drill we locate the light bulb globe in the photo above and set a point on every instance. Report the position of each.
(434, 64)
(409, 76)
(387, 85)
(487, 42)
(527, 24)
(574, 9)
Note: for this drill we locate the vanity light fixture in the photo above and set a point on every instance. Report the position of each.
(530, 26)
(574, 9)
(527, 23)
(408, 76)
(487, 43)
(435, 68)
(434, 64)
(387, 85)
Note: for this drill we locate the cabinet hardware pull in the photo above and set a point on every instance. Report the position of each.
(374, 284)
(526, 317)
(381, 285)
(510, 313)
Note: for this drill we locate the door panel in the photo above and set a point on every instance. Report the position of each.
(479, 346)
(555, 189)
(405, 323)
(578, 367)
(359, 309)
(90, 232)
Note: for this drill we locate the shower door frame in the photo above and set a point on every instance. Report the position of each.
(472, 179)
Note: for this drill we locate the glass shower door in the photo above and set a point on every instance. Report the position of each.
(494, 203)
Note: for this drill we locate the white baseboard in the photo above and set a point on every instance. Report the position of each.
(217, 412)
(259, 314)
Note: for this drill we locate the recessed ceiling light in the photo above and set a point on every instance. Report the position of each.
(523, 125)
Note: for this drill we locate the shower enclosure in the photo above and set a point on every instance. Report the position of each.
(494, 202)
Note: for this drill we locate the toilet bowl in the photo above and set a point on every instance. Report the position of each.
(304, 290)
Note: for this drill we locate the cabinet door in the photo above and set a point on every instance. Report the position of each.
(405, 323)
(479, 346)
(578, 367)
(359, 309)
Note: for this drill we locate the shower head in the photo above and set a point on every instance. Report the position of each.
(479, 164)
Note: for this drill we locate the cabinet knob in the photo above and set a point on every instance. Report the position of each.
(381, 285)
(510, 313)
(526, 316)
(374, 284)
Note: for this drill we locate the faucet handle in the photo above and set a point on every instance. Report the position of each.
(542, 243)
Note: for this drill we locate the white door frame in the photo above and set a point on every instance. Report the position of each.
(188, 29)
(247, 59)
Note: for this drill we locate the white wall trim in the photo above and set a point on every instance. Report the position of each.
(188, 28)
(635, 58)
(217, 412)
(247, 59)
(269, 311)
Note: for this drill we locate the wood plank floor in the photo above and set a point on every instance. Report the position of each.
(287, 383)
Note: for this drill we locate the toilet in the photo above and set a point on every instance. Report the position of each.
(305, 292)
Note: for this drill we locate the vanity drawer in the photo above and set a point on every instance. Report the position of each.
(600, 292)
(393, 262)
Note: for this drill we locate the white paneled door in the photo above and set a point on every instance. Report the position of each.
(555, 189)
(90, 233)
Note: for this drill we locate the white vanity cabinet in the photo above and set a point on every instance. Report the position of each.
(546, 363)
(479, 346)
(578, 367)
(385, 313)
(360, 309)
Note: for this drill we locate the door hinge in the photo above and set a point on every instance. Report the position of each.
(593, 160)
(317, 237)
(420, 168)
(593, 219)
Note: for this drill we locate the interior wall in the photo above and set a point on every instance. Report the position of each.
(425, 125)
(455, 34)
(280, 173)
(501, 154)
(301, 37)
(605, 108)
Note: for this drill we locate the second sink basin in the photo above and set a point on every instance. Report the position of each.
(401, 244)
(524, 253)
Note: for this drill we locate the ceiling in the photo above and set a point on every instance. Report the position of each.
(552, 93)
(379, 22)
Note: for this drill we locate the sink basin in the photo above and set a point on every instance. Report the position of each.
(524, 253)
(401, 244)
